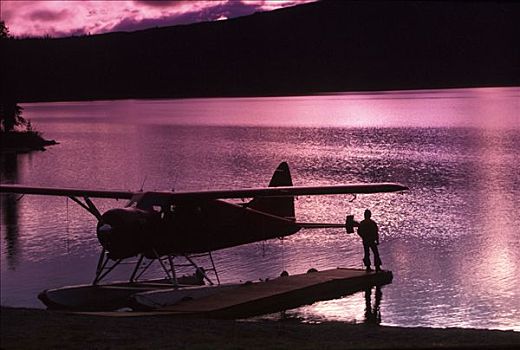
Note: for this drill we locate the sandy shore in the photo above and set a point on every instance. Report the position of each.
(40, 329)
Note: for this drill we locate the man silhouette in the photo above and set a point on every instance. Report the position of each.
(368, 232)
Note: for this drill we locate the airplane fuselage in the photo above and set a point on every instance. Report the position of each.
(187, 227)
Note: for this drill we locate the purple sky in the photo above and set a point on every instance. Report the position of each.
(64, 18)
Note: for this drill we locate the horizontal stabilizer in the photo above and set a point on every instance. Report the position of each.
(319, 225)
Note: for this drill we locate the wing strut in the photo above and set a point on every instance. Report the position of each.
(88, 206)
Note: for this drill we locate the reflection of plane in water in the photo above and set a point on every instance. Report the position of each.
(9, 207)
(159, 226)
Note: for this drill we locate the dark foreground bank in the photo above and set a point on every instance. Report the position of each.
(40, 329)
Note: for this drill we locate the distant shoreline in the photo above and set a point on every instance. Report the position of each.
(36, 329)
(23, 142)
(311, 93)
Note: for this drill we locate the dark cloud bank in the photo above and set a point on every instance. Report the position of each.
(229, 10)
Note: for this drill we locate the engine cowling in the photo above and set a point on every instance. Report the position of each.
(125, 232)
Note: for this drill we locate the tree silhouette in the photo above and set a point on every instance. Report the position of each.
(10, 112)
(4, 32)
(16, 132)
(11, 115)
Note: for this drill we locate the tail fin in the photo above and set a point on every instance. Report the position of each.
(279, 206)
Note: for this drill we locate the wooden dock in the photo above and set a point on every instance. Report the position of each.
(265, 297)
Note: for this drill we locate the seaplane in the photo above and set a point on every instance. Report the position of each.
(162, 227)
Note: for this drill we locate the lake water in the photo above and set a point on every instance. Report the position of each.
(452, 241)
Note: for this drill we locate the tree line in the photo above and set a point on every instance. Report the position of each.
(10, 112)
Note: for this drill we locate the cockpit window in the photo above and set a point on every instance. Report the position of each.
(134, 200)
(151, 200)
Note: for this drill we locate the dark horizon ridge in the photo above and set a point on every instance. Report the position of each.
(328, 46)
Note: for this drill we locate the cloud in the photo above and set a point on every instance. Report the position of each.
(213, 12)
(159, 3)
(63, 18)
(48, 16)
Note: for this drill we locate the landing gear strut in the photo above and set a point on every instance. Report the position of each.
(142, 264)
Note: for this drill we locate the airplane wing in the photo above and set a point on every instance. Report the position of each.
(282, 191)
(65, 192)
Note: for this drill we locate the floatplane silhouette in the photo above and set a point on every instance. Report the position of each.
(163, 226)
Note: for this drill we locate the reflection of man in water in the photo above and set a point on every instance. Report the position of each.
(368, 232)
(373, 314)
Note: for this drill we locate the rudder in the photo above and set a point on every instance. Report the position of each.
(279, 206)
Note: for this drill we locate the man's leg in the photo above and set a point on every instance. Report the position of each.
(366, 258)
(377, 258)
